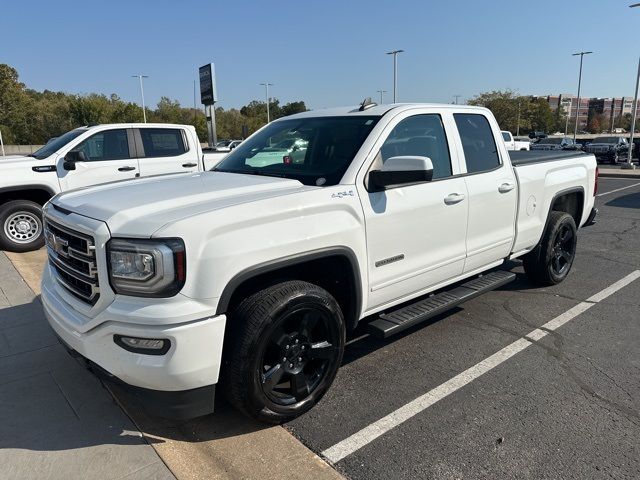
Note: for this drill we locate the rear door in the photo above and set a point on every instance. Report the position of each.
(491, 184)
(110, 156)
(164, 150)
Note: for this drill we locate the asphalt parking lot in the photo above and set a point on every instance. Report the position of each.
(567, 406)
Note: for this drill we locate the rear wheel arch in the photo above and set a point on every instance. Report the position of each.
(334, 269)
(570, 201)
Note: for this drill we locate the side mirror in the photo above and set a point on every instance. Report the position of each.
(72, 157)
(398, 171)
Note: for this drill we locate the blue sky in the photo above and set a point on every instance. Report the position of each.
(324, 52)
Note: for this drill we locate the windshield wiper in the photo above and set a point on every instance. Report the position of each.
(251, 172)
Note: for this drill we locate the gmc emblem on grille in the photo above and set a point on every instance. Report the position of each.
(57, 244)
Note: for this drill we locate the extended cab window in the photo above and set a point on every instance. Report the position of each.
(506, 136)
(106, 145)
(162, 142)
(423, 136)
(480, 151)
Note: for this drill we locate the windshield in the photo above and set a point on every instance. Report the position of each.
(606, 140)
(550, 141)
(56, 144)
(315, 151)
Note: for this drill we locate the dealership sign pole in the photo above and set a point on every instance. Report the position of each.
(208, 97)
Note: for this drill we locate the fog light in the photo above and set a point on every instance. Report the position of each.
(147, 346)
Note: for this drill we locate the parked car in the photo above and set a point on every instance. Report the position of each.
(226, 145)
(148, 280)
(513, 144)
(609, 149)
(537, 135)
(554, 143)
(84, 157)
(288, 150)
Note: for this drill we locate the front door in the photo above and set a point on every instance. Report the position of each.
(415, 233)
(109, 155)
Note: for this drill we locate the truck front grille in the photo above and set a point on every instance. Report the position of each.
(73, 257)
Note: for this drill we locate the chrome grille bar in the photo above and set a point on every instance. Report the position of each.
(72, 255)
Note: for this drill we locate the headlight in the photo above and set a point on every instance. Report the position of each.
(146, 268)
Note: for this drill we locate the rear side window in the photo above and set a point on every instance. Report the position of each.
(506, 136)
(480, 151)
(162, 142)
(423, 136)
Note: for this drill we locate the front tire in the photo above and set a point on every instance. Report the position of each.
(550, 262)
(21, 227)
(285, 345)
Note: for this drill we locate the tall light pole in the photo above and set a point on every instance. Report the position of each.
(140, 77)
(634, 112)
(266, 88)
(395, 73)
(566, 123)
(456, 97)
(575, 130)
(518, 120)
(381, 92)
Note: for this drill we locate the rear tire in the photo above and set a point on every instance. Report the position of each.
(550, 262)
(21, 227)
(283, 350)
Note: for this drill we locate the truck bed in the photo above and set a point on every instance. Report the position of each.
(538, 156)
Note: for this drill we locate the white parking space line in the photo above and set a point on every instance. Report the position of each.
(365, 436)
(617, 189)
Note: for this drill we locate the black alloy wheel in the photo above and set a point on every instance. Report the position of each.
(283, 348)
(300, 350)
(551, 260)
(563, 250)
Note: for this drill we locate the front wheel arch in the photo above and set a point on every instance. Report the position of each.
(335, 269)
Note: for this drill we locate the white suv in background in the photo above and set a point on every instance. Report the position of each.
(85, 157)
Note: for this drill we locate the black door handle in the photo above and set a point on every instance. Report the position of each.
(126, 169)
(189, 165)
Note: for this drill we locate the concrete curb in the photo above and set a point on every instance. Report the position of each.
(619, 174)
(221, 446)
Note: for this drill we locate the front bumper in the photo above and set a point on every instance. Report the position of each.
(179, 405)
(185, 374)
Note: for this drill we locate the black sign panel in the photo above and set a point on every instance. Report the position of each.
(207, 84)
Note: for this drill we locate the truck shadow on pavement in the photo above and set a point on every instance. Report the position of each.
(361, 344)
(626, 201)
(48, 402)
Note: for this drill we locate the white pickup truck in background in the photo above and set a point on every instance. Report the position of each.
(512, 144)
(148, 280)
(84, 157)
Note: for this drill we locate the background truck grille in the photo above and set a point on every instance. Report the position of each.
(73, 257)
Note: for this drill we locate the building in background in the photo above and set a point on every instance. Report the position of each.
(605, 113)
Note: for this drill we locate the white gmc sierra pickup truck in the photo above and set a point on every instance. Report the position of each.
(252, 276)
(88, 156)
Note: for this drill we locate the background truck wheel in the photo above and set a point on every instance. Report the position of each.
(285, 345)
(21, 226)
(550, 262)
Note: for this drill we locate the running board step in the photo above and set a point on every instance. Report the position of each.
(398, 320)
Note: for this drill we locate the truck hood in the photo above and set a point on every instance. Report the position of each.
(12, 161)
(140, 207)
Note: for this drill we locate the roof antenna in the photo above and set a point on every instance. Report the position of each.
(366, 104)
